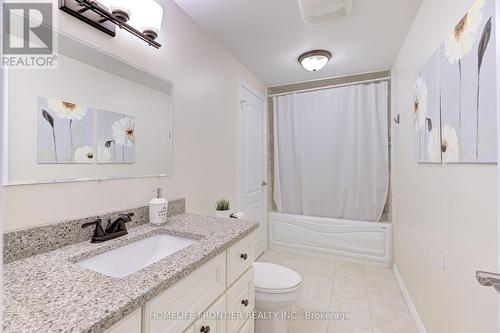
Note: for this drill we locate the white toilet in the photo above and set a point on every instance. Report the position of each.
(276, 289)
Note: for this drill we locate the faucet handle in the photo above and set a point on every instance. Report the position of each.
(98, 231)
(127, 217)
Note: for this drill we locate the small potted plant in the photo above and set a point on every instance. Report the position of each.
(222, 208)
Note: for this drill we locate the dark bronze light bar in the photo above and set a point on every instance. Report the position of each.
(96, 15)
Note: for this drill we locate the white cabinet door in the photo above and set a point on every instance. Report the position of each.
(191, 295)
(213, 320)
(130, 324)
(248, 327)
(240, 257)
(241, 300)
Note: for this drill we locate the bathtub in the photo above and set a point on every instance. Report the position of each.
(370, 241)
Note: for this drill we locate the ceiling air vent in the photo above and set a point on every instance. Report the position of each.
(322, 11)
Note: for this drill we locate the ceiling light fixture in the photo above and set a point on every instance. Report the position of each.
(141, 18)
(315, 60)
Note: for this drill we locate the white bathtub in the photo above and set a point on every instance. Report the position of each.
(358, 239)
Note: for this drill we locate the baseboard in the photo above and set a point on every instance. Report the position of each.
(408, 300)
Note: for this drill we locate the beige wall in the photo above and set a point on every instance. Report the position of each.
(439, 210)
(205, 78)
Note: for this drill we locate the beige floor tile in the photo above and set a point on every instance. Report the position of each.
(359, 319)
(321, 267)
(307, 326)
(384, 322)
(297, 264)
(271, 258)
(381, 282)
(316, 293)
(348, 326)
(378, 270)
(351, 266)
(392, 301)
(368, 293)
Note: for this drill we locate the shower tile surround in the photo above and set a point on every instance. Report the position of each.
(48, 292)
(26, 242)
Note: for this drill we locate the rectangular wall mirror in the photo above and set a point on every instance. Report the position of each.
(94, 117)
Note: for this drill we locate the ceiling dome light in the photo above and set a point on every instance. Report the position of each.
(314, 60)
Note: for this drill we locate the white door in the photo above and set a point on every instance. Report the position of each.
(252, 161)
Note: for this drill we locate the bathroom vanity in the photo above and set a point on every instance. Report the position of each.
(222, 286)
(207, 286)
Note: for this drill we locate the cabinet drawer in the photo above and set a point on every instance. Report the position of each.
(213, 320)
(240, 257)
(130, 324)
(241, 300)
(248, 327)
(192, 295)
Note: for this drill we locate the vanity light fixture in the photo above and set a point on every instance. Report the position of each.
(141, 18)
(314, 60)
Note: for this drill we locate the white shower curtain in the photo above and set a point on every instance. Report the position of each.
(331, 152)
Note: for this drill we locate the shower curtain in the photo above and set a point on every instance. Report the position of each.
(331, 152)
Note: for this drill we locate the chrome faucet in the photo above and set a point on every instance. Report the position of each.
(113, 229)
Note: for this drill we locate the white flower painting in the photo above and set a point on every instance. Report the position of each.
(434, 146)
(63, 128)
(419, 103)
(115, 137)
(461, 40)
(426, 114)
(123, 131)
(72, 134)
(84, 155)
(460, 115)
(449, 144)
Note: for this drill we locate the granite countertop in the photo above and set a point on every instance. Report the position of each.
(50, 293)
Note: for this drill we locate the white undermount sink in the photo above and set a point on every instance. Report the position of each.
(133, 257)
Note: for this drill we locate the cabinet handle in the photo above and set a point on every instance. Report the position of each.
(205, 329)
(244, 302)
(244, 256)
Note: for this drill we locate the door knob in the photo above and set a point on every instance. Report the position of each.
(488, 279)
(264, 183)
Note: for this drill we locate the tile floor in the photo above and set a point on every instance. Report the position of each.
(369, 293)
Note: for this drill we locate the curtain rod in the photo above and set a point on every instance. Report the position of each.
(382, 79)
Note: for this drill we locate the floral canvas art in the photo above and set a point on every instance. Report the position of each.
(65, 132)
(115, 137)
(426, 112)
(464, 68)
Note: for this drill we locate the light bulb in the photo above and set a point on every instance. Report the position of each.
(147, 18)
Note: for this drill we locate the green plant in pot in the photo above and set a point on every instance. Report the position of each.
(222, 207)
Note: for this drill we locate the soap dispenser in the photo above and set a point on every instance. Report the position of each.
(158, 208)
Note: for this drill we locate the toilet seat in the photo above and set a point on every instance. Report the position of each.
(275, 279)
